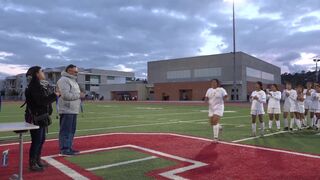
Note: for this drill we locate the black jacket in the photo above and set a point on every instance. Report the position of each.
(39, 99)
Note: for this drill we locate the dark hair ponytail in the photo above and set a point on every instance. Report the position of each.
(260, 84)
(32, 74)
(217, 80)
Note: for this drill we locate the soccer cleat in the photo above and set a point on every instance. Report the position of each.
(215, 140)
(286, 129)
(291, 129)
(75, 151)
(253, 134)
(67, 153)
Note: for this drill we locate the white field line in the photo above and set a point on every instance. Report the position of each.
(64, 169)
(185, 136)
(121, 163)
(128, 126)
(256, 137)
(169, 174)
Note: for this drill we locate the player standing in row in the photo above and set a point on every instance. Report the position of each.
(299, 113)
(309, 105)
(316, 100)
(258, 98)
(274, 109)
(215, 98)
(289, 96)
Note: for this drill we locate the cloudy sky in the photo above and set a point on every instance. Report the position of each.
(125, 34)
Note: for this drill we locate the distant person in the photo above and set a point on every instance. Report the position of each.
(215, 98)
(274, 108)
(257, 98)
(308, 105)
(316, 98)
(299, 113)
(69, 108)
(38, 112)
(289, 96)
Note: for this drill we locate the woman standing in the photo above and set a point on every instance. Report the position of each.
(38, 111)
(274, 109)
(299, 114)
(289, 96)
(257, 98)
(215, 98)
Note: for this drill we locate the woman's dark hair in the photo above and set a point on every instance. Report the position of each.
(32, 73)
(216, 80)
(70, 67)
(260, 84)
(276, 86)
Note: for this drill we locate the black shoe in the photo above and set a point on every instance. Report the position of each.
(291, 129)
(286, 129)
(67, 153)
(42, 163)
(34, 167)
(75, 151)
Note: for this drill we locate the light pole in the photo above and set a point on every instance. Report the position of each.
(234, 86)
(316, 60)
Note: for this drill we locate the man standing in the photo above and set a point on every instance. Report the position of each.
(69, 107)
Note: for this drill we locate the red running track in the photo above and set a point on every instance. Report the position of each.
(225, 161)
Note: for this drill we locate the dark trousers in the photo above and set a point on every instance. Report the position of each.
(38, 137)
(68, 123)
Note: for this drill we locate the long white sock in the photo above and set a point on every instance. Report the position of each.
(286, 123)
(270, 124)
(318, 123)
(291, 123)
(216, 131)
(313, 121)
(278, 124)
(262, 126)
(298, 123)
(254, 127)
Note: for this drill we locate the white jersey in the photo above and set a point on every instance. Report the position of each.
(316, 102)
(307, 95)
(300, 104)
(274, 100)
(257, 104)
(289, 101)
(216, 101)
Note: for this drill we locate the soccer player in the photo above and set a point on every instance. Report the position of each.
(316, 98)
(215, 97)
(274, 109)
(289, 96)
(299, 114)
(258, 98)
(308, 104)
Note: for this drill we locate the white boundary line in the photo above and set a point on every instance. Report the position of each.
(169, 174)
(256, 137)
(186, 136)
(64, 169)
(122, 163)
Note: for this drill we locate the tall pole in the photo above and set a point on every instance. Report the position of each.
(317, 72)
(234, 53)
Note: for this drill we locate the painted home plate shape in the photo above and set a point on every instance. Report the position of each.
(197, 158)
(172, 174)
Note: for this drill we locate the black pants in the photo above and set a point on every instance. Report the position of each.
(38, 137)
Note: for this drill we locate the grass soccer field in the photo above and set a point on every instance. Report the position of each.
(168, 141)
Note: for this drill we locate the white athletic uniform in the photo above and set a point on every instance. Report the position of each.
(308, 103)
(257, 104)
(289, 101)
(300, 108)
(274, 102)
(216, 101)
(316, 102)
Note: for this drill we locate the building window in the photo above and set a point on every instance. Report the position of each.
(184, 74)
(88, 78)
(111, 77)
(87, 87)
(207, 72)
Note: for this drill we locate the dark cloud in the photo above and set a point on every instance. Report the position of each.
(126, 34)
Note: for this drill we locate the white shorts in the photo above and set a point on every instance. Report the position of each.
(274, 110)
(288, 108)
(215, 111)
(308, 105)
(300, 109)
(257, 112)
